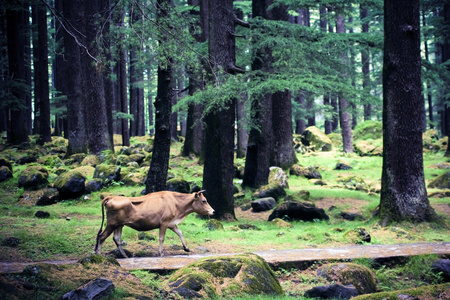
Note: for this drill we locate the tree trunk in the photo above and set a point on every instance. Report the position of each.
(344, 107)
(17, 26)
(76, 130)
(445, 58)
(365, 59)
(107, 74)
(259, 146)
(94, 92)
(403, 192)
(41, 79)
(242, 133)
(219, 132)
(59, 80)
(283, 152)
(159, 165)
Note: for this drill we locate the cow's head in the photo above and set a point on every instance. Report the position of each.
(201, 205)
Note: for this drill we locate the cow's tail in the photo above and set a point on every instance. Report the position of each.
(104, 201)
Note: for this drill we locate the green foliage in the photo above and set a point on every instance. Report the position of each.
(416, 272)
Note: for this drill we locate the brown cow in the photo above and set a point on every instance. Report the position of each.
(156, 210)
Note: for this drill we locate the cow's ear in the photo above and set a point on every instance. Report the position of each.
(199, 193)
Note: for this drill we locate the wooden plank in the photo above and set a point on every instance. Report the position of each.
(295, 255)
(272, 257)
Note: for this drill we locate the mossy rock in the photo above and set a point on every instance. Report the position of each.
(430, 138)
(5, 173)
(227, 276)
(33, 177)
(213, 224)
(440, 291)
(51, 161)
(358, 236)
(368, 147)
(307, 172)
(368, 130)
(6, 163)
(273, 190)
(280, 223)
(361, 277)
(178, 185)
(313, 137)
(75, 158)
(132, 179)
(90, 160)
(70, 185)
(440, 182)
(107, 173)
(278, 176)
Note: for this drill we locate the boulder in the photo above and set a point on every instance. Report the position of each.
(426, 292)
(5, 173)
(40, 214)
(98, 288)
(361, 277)
(278, 176)
(440, 182)
(227, 276)
(442, 266)
(368, 147)
(6, 163)
(33, 177)
(280, 223)
(70, 185)
(49, 196)
(368, 130)
(301, 211)
(133, 179)
(314, 138)
(273, 190)
(178, 185)
(90, 160)
(96, 184)
(263, 204)
(107, 173)
(343, 165)
(307, 172)
(332, 291)
(358, 236)
(51, 161)
(213, 224)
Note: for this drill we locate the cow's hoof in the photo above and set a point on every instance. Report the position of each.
(187, 250)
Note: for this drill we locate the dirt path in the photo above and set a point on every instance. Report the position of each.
(272, 257)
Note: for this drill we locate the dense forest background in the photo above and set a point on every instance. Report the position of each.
(231, 77)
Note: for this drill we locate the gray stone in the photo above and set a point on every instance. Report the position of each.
(332, 291)
(442, 265)
(298, 211)
(263, 204)
(94, 289)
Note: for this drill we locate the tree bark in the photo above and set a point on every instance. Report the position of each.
(344, 107)
(218, 169)
(94, 92)
(76, 130)
(17, 26)
(159, 165)
(260, 140)
(403, 192)
(365, 59)
(41, 78)
(283, 152)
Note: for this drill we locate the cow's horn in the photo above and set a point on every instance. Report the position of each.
(201, 192)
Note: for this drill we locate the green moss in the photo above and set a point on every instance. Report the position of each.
(368, 130)
(349, 273)
(440, 291)
(228, 276)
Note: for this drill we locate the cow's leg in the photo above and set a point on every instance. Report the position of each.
(116, 238)
(102, 237)
(178, 232)
(162, 234)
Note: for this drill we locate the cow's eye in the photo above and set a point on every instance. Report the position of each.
(204, 201)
